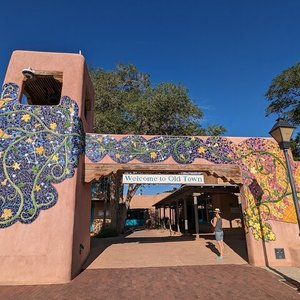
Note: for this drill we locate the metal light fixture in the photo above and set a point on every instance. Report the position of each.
(282, 132)
(28, 73)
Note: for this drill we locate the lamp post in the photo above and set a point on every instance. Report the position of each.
(282, 132)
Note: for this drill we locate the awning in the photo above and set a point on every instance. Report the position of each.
(188, 190)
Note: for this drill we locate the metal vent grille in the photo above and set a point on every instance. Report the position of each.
(279, 253)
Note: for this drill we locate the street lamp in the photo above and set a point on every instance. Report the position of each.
(282, 132)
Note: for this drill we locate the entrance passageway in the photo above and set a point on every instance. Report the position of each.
(156, 248)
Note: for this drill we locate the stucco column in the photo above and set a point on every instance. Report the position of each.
(186, 226)
(158, 216)
(170, 220)
(195, 195)
(104, 213)
(255, 249)
(177, 216)
(114, 199)
(164, 221)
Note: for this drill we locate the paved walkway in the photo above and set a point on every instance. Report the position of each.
(149, 265)
(291, 272)
(156, 248)
(289, 275)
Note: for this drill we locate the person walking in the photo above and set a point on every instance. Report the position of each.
(216, 222)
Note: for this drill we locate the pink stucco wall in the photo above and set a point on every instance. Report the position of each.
(266, 199)
(47, 250)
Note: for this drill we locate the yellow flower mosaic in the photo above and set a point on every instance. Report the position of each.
(40, 150)
(6, 214)
(26, 118)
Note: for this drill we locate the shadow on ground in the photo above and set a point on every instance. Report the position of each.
(213, 248)
(290, 281)
(98, 245)
(236, 242)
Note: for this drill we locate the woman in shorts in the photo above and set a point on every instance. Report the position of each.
(216, 222)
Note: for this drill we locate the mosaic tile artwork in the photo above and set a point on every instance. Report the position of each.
(39, 145)
(261, 163)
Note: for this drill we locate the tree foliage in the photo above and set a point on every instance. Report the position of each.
(284, 94)
(284, 99)
(127, 103)
(295, 146)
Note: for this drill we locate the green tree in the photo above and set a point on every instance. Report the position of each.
(295, 146)
(127, 103)
(284, 99)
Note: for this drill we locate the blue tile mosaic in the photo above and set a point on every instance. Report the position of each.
(39, 145)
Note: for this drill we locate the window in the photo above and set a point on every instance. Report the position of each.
(44, 88)
(205, 210)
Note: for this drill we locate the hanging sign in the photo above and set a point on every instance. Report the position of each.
(163, 178)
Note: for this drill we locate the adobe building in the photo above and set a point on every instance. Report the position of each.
(46, 106)
(191, 202)
(49, 159)
(142, 211)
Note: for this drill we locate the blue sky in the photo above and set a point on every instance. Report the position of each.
(225, 52)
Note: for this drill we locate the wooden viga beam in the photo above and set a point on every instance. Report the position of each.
(228, 173)
(225, 177)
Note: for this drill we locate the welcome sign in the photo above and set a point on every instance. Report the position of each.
(163, 178)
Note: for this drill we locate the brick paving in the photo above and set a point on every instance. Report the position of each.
(150, 264)
(184, 282)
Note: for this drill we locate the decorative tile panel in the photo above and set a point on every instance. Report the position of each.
(261, 162)
(39, 145)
